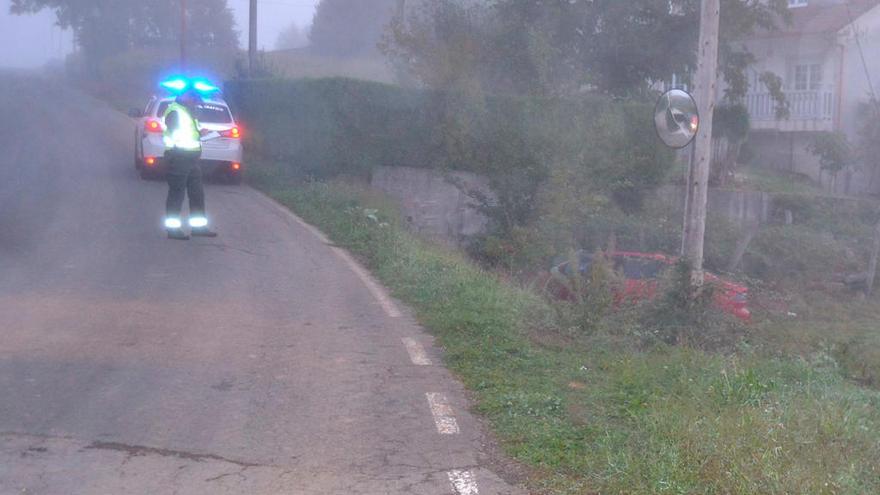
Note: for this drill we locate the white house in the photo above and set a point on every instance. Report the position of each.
(825, 56)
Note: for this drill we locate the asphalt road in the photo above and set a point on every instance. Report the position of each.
(259, 362)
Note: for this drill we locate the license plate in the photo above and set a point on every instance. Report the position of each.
(215, 144)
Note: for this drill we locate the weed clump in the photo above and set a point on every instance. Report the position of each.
(592, 290)
(689, 316)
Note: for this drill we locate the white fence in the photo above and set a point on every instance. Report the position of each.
(803, 105)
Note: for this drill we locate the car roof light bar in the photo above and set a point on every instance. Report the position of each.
(180, 84)
(177, 84)
(204, 87)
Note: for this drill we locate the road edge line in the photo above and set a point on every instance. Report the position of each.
(444, 416)
(463, 482)
(416, 351)
(374, 287)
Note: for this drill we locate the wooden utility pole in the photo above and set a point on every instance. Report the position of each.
(872, 265)
(182, 34)
(694, 231)
(252, 38)
(401, 10)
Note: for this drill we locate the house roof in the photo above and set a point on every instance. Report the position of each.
(817, 19)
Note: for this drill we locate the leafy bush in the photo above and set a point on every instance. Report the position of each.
(548, 160)
(679, 310)
(801, 206)
(594, 415)
(796, 253)
(731, 121)
(389, 125)
(722, 235)
(328, 126)
(592, 293)
(868, 149)
(833, 150)
(845, 218)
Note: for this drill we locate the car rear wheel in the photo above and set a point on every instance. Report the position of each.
(137, 161)
(147, 174)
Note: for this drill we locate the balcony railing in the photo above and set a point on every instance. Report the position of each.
(803, 105)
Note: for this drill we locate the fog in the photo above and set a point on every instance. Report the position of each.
(272, 16)
(31, 41)
(555, 246)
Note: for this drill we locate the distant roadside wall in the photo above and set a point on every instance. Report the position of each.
(741, 207)
(431, 203)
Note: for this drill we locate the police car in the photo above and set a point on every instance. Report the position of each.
(221, 149)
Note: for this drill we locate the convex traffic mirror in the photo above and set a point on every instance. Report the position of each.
(676, 118)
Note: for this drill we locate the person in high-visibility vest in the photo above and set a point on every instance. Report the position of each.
(183, 148)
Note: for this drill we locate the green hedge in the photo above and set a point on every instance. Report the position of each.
(327, 126)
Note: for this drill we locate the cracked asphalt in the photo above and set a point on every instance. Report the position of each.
(254, 363)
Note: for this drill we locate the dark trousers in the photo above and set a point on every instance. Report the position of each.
(184, 179)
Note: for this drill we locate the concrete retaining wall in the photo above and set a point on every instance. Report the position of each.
(431, 202)
(742, 207)
(433, 205)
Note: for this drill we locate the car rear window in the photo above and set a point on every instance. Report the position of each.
(638, 269)
(209, 113)
(213, 113)
(162, 107)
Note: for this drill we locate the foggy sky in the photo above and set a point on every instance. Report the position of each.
(33, 40)
(273, 16)
(30, 41)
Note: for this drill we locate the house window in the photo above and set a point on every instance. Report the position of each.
(807, 77)
(797, 3)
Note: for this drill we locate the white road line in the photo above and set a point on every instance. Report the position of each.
(378, 292)
(444, 418)
(293, 216)
(463, 482)
(416, 352)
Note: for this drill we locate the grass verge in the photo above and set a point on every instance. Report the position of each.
(776, 181)
(592, 414)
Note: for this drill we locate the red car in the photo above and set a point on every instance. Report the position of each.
(640, 272)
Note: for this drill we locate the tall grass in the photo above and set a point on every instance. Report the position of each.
(594, 414)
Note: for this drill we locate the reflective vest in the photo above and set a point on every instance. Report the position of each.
(185, 134)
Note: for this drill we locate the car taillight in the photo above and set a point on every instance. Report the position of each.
(236, 166)
(152, 126)
(150, 161)
(233, 133)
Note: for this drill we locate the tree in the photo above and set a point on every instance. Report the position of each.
(869, 140)
(443, 45)
(211, 24)
(561, 47)
(349, 28)
(730, 130)
(834, 153)
(106, 27)
(291, 37)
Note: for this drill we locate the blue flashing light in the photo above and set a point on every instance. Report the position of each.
(180, 84)
(204, 87)
(177, 84)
